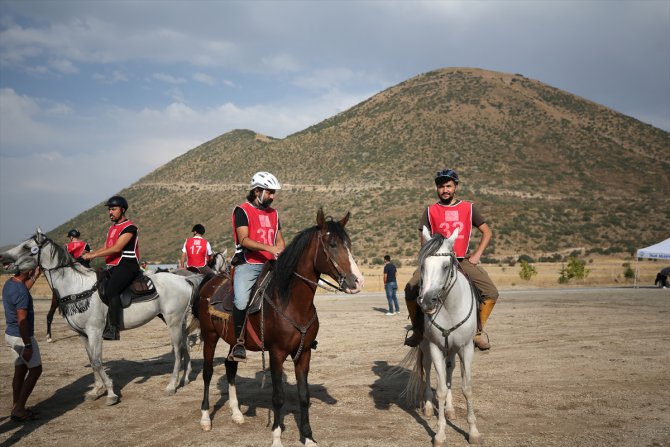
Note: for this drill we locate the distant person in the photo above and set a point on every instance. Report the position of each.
(662, 278)
(76, 247)
(144, 267)
(196, 251)
(20, 335)
(443, 217)
(258, 239)
(121, 253)
(391, 286)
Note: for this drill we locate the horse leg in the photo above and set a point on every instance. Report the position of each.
(426, 362)
(301, 373)
(50, 316)
(441, 373)
(177, 333)
(94, 341)
(231, 373)
(210, 338)
(98, 385)
(186, 356)
(451, 364)
(276, 369)
(466, 355)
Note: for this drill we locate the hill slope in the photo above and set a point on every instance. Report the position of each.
(552, 172)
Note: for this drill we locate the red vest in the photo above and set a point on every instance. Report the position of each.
(112, 236)
(196, 251)
(263, 226)
(75, 248)
(445, 218)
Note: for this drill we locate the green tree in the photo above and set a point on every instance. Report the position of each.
(527, 270)
(576, 268)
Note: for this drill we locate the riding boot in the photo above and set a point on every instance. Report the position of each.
(238, 353)
(416, 316)
(482, 338)
(112, 331)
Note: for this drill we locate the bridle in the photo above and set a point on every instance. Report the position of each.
(449, 284)
(341, 277)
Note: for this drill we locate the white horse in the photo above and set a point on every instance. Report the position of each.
(450, 312)
(85, 313)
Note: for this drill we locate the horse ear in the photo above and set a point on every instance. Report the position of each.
(39, 230)
(454, 235)
(225, 253)
(426, 233)
(345, 219)
(320, 218)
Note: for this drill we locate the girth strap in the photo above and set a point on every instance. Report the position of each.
(301, 329)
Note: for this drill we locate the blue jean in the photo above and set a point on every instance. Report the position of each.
(244, 280)
(391, 296)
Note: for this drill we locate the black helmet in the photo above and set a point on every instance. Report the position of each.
(73, 233)
(117, 201)
(446, 175)
(198, 228)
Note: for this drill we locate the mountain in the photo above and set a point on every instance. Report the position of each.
(551, 171)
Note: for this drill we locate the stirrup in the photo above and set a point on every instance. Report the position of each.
(239, 356)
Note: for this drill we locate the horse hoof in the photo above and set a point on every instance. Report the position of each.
(238, 419)
(49, 340)
(112, 400)
(428, 411)
(206, 425)
(475, 439)
(438, 443)
(310, 443)
(451, 414)
(170, 391)
(94, 394)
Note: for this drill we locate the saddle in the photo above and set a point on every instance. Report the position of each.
(221, 294)
(140, 290)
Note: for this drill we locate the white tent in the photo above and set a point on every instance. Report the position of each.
(656, 251)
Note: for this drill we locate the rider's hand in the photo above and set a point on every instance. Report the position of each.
(27, 353)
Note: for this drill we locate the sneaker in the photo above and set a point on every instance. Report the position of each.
(390, 313)
(397, 312)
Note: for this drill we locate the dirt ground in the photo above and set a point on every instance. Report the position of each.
(568, 367)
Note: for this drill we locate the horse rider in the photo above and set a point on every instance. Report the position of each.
(76, 247)
(196, 251)
(258, 238)
(443, 217)
(121, 253)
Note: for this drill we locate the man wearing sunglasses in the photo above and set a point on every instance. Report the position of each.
(443, 217)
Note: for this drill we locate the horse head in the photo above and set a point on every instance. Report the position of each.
(437, 261)
(219, 263)
(334, 256)
(48, 254)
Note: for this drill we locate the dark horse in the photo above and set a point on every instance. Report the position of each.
(287, 321)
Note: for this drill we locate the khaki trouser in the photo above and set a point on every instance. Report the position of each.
(477, 275)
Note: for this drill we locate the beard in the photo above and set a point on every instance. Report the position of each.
(266, 203)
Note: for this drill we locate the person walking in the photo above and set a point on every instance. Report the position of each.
(391, 286)
(20, 335)
(447, 214)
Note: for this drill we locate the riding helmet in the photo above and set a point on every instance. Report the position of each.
(198, 228)
(446, 175)
(117, 201)
(73, 233)
(264, 180)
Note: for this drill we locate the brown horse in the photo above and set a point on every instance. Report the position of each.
(287, 322)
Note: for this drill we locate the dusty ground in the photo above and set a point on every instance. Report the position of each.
(568, 367)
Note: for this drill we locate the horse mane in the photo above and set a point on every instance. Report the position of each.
(430, 247)
(63, 257)
(288, 260)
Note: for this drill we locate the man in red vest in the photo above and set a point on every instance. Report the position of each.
(258, 238)
(443, 217)
(196, 251)
(121, 253)
(76, 247)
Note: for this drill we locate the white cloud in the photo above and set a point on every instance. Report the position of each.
(64, 66)
(204, 78)
(324, 78)
(281, 63)
(111, 78)
(163, 77)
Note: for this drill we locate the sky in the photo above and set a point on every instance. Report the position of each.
(96, 94)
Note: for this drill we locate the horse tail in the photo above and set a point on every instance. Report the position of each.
(193, 326)
(413, 361)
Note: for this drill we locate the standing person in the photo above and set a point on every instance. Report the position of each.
(76, 247)
(443, 217)
(20, 334)
(258, 238)
(196, 251)
(391, 285)
(121, 253)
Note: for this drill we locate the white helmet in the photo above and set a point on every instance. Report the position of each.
(264, 180)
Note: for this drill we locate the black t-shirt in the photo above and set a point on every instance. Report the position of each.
(130, 246)
(390, 271)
